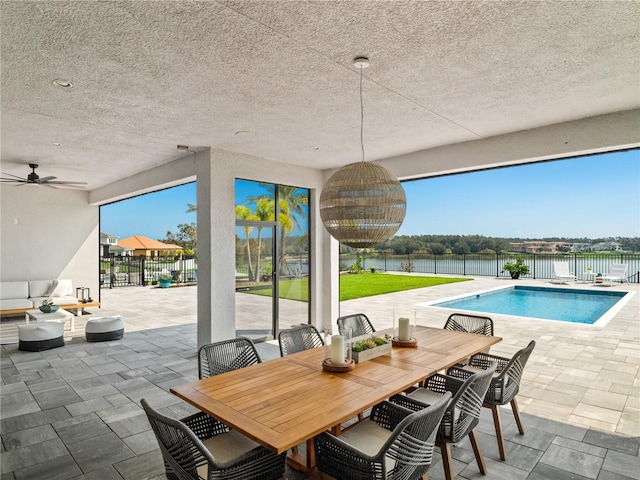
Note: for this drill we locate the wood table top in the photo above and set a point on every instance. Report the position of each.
(286, 401)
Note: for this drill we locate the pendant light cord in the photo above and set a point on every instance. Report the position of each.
(361, 118)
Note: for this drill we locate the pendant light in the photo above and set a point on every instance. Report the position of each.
(362, 204)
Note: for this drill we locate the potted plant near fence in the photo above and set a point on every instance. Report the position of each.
(164, 281)
(516, 269)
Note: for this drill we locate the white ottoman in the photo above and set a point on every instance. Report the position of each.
(102, 329)
(36, 337)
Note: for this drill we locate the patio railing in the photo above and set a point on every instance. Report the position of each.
(478, 264)
(127, 270)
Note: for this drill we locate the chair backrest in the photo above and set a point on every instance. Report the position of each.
(505, 386)
(561, 268)
(357, 323)
(181, 449)
(299, 338)
(618, 270)
(463, 413)
(225, 356)
(462, 322)
(412, 443)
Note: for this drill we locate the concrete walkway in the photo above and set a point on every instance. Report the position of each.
(74, 412)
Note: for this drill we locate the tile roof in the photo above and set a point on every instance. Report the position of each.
(138, 242)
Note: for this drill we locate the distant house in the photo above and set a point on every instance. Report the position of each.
(539, 246)
(607, 246)
(147, 247)
(109, 246)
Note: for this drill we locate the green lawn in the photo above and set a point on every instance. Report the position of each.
(367, 284)
(361, 285)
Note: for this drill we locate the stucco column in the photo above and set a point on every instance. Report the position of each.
(216, 249)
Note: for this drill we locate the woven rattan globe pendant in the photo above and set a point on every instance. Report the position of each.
(362, 205)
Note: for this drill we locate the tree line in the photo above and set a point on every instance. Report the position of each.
(461, 244)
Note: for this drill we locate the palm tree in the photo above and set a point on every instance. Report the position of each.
(264, 211)
(291, 203)
(244, 213)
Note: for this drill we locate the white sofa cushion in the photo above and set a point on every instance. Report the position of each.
(37, 301)
(40, 288)
(14, 290)
(15, 303)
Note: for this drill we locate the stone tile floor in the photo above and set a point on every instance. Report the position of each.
(74, 412)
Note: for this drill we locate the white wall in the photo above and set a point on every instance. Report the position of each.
(48, 233)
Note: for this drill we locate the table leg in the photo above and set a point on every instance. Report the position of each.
(306, 463)
(72, 323)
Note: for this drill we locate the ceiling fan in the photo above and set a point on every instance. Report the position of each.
(34, 179)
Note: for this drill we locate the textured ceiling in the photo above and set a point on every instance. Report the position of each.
(150, 75)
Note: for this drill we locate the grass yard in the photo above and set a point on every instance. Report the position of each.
(368, 284)
(361, 285)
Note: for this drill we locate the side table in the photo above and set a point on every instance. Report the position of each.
(60, 315)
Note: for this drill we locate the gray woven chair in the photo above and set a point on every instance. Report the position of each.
(462, 413)
(504, 385)
(200, 447)
(299, 338)
(357, 323)
(393, 444)
(225, 356)
(463, 322)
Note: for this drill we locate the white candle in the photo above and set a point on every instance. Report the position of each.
(403, 330)
(337, 349)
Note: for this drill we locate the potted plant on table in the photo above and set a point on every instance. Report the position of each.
(48, 306)
(368, 348)
(516, 269)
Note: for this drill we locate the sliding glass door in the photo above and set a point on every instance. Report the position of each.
(272, 258)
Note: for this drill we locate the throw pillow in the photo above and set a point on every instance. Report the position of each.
(62, 289)
(51, 289)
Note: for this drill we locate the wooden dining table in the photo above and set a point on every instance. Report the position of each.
(287, 401)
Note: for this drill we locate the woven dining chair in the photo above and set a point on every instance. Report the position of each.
(299, 338)
(225, 356)
(461, 415)
(200, 447)
(463, 322)
(504, 385)
(394, 443)
(358, 324)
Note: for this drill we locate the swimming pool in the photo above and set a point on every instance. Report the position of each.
(592, 307)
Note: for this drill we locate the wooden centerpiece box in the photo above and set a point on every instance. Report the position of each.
(364, 349)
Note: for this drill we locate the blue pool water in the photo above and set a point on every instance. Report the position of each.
(567, 305)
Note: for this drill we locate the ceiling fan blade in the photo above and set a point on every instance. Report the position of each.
(48, 185)
(14, 176)
(62, 182)
(45, 179)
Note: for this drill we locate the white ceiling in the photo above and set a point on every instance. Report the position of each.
(148, 76)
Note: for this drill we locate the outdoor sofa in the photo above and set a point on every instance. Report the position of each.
(20, 296)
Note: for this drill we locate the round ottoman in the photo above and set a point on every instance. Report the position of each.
(102, 329)
(36, 337)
